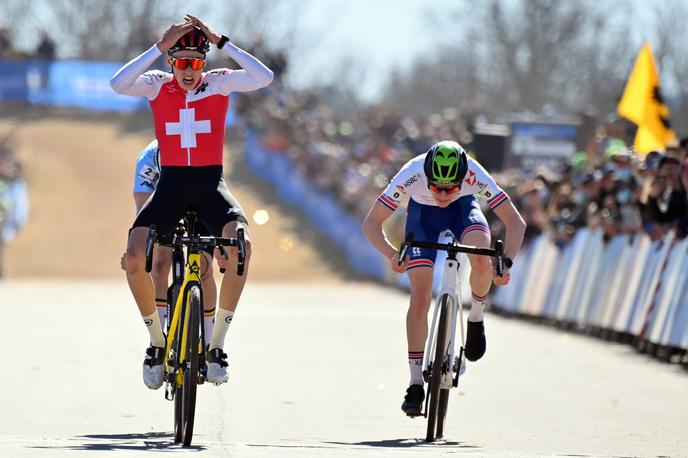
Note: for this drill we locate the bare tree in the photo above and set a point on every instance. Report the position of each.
(672, 59)
(521, 56)
(118, 30)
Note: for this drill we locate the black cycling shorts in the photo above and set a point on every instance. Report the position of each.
(199, 189)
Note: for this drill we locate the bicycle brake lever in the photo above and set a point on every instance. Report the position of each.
(241, 244)
(499, 256)
(150, 242)
(224, 254)
(404, 248)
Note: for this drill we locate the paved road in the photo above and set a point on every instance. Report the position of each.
(319, 371)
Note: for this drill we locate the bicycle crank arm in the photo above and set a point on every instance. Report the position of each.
(459, 368)
(169, 391)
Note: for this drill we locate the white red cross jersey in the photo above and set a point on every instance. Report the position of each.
(189, 126)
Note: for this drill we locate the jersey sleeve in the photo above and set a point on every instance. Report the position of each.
(253, 74)
(147, 172)
(488, 188)
(131, 79)
(398, 191)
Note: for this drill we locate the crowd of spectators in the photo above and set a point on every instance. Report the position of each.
(605, 186)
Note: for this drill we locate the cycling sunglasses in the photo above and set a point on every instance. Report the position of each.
(445, 189)
(182, 62)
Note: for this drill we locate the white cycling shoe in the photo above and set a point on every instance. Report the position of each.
(153, 369)
(217, 366)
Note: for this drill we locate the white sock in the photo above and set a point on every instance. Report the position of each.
(478, 304)
(208, 324)
(415, 359)
(222, 322)
(152, 323)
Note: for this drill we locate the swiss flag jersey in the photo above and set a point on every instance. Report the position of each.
(189, 126)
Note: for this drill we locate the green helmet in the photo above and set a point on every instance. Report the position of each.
(446, 163)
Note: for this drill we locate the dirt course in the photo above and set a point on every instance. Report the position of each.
(80, 168)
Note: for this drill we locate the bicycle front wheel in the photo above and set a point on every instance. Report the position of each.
(172, 294)
(190, 366)
(438, 397)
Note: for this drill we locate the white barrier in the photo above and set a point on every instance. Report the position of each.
(635, 267)
(668, 295)
(647, 295)
(677, 336)
(587, 279)
(629, 285)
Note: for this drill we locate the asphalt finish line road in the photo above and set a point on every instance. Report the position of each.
(320, 371)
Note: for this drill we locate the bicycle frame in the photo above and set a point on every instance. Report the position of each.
(180, 317)
(449, 287)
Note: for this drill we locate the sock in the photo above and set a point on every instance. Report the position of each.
(152, 323)
(415, 359)
(161, 306)
(478, 304)
(208, 324)
(222, 322)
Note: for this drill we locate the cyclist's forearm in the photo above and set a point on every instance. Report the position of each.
(378, 239)
(126, 81)
(514, 238)
(255, 75)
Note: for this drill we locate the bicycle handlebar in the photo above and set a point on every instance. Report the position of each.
(453, 248)
(199, 242)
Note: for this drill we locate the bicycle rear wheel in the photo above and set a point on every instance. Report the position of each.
(191, 367)
(438, 397)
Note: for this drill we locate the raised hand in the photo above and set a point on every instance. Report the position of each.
(213, 37)
(174, 33)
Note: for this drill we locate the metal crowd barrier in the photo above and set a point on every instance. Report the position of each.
(630, 288)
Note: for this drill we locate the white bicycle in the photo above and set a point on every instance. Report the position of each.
(442, 367)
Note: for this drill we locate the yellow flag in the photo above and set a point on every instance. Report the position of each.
(642, 104)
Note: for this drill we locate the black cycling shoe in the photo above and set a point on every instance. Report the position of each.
(475, 341)
(413, 401)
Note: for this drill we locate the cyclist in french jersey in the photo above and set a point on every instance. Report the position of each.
(146, 176)
(189, 109)
(440, 190)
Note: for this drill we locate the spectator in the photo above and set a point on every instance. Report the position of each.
(46, 48)
(667, 203)
(13, 196)
(5, 42)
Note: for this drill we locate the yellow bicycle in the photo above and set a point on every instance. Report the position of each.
(185, 355)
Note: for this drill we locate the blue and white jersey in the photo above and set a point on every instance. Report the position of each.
(147, 169)
(411, 183)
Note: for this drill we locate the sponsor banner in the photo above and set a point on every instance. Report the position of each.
(539, 143)
(13, 80)
(80, 84)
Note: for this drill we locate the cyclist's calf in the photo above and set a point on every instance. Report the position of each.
(421, 291)
(136, 251)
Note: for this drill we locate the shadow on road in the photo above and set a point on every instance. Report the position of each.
(127, 442)
(407, 443)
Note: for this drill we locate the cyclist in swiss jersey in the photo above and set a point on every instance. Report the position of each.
(189, 109)
(440, 189)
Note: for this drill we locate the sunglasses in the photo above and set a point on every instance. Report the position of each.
(446, 189)
(182, 62)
